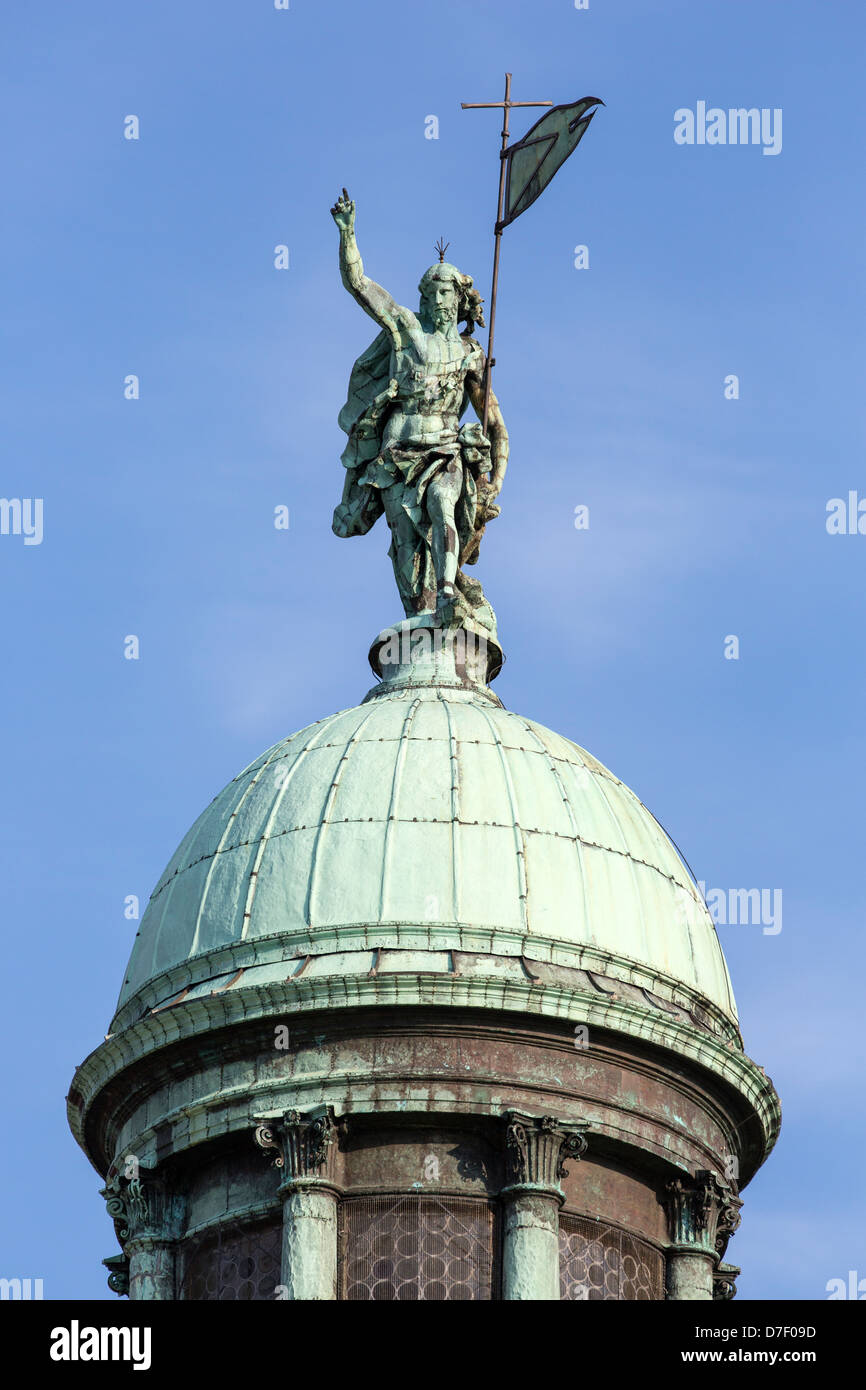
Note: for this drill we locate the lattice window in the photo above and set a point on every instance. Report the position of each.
(233, 1263)
(601, 1262)
(416, 1248)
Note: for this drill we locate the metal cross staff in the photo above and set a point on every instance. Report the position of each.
(506, 105)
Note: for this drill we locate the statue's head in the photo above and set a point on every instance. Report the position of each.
(447, 297)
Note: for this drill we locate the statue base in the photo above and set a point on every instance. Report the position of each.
(421, 651)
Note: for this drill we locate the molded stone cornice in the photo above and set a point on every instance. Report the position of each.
(290, 948)
(195, 1017)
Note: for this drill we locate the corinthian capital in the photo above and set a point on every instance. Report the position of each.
(703, 1212)
(537, 1147)
(144, 1205)
(302, 1143)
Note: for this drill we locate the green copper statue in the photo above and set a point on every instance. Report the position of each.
(407, 455)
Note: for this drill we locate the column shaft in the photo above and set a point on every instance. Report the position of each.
(309, 1249)
(151, 1269)
(689, 1275)
(530, 1263)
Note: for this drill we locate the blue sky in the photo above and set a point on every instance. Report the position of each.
(707, 515)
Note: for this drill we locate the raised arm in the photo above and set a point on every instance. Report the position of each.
(372, 298)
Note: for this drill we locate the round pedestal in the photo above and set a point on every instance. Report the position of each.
(420, 651)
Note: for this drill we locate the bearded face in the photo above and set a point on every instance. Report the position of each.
(439, 298)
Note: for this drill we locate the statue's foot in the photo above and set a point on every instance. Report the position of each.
(445, 600)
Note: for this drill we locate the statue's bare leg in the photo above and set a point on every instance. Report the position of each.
(443, 494)
(404, 553)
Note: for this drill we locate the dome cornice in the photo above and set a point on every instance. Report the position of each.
(194, 1019)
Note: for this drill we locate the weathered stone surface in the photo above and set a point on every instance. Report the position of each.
(530, 1256)
(689, 1276)
(152, 1269)
(309, 1265)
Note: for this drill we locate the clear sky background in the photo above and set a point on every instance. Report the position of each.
(707, 515)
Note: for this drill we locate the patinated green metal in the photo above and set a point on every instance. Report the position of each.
(425, 948)
(453, 814)
(533, 161)
(408, 457)
(527, 168)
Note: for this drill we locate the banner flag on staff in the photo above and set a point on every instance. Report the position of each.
(526, 169)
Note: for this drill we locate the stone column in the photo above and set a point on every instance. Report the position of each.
(152, 1272)
(689, 1274)
(305, 1148)
(148, 1218)
(702, 1213)
(536, 1150)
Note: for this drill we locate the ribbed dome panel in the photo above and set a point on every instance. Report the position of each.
(432, 806)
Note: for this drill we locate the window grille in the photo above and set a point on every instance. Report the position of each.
(599, 1262)
(416, 1248)
(232, 1262)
